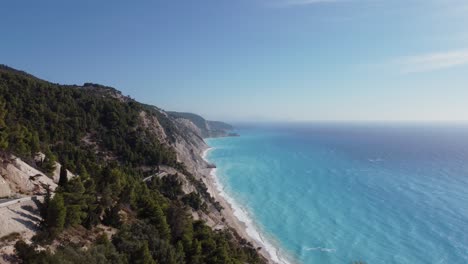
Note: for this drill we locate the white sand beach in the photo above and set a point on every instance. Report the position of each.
(238, 218)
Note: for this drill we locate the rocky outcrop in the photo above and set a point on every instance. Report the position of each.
(39, 157)
(151, 123)
(5, 190)
(56, 173)
(22, 178)
(186, 140)
(19, 219)
(190, 146)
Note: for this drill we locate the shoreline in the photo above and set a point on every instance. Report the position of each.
(237, 217)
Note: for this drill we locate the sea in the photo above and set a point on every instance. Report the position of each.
(345, 192)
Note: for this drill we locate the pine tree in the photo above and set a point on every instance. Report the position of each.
(48, 164)
(196, 253)
(56, 213)
(180, 254)
(45, 205)
(3, 129)
(63, 180)
(75, 202)
(143, 255)
(153, 212)
(112, 217)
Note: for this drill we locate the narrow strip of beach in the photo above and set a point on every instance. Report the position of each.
(238, 218)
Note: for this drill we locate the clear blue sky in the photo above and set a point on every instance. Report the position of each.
(254, 59)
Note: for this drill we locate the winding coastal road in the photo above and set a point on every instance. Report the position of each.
(159, 174)
(16, 201)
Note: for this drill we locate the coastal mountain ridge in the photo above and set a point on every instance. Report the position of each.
(140, 191)
(207, 128)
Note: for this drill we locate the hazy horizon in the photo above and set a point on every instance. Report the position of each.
(255, 60)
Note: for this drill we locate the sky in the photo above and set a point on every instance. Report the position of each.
(254, 60)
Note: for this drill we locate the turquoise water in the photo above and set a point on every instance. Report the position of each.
(336, 193)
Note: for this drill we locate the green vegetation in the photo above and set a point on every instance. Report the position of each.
(54, 220)
(217, 125)
(48, 163)
(102, 252)
(193, 200)
(99, 136)
(63, 180)
(197, 120)
(74, 122)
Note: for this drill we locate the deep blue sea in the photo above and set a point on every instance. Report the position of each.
(337, 193)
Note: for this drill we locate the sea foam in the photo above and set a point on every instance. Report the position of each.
(380, 194)
(243, 216)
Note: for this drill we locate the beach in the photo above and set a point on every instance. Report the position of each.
(350, 192)
(238, 218)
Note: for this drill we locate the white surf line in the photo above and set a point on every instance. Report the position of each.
(331, 250)
(242, 215)
(205, 152)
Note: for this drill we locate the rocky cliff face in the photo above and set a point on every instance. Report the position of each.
(206, 128)
(187, 139)
(190, 147)
(5, 190)
(19, 178)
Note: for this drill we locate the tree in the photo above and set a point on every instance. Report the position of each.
(56, 213)
(152, 211)
(193, 200)
(63, 180)
(28, 254)
(143, 255)
(44, 208)
(181, 225)
(75, 202)
(196, 253)
(18, 139)
(93, 214)
(48, 164)
(3, 129)
(112, 217)
(171, 187)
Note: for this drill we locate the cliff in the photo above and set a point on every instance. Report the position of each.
(137, 168)
(204, 127)
(19, 178)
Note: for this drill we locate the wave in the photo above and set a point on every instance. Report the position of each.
(243, 216)
(331, 250)
(375, 160)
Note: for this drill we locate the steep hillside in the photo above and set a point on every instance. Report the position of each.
(139, 171)
(206, 128)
